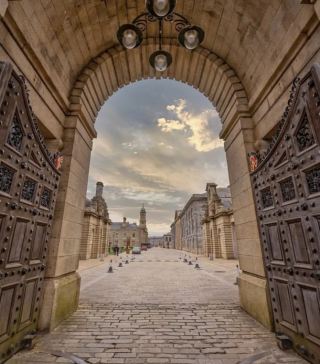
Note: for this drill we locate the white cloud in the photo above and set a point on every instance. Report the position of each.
(171, 107)
(140, 163)
(199, 126)
(169, 125)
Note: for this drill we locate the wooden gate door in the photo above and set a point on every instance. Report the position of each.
(28, 187)
(286, 185)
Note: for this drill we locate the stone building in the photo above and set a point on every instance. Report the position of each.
(176, 231)
(155, 241)
(95, 227)
(167, 241)
(218, 224)
(247, 73)
(189, 222)
(126, 235)
(143, 230)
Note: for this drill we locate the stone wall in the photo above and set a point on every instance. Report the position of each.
(72, 65)
(94, 243)
(191, 228)
(95, 226)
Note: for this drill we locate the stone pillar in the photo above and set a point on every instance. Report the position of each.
(205, 238)
(62, 282)
(226, 237)
(215, 243)
(253, 285)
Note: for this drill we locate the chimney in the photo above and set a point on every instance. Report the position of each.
(99, 189)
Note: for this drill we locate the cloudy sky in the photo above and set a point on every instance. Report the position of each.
(157, 144)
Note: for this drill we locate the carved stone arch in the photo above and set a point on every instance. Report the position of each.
(117, 67)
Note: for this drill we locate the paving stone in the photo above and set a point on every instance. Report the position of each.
(160, 312)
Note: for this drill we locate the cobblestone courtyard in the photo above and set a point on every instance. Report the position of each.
(157, 309)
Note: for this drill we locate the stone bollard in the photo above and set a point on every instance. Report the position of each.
(120, 263)
(110, 270)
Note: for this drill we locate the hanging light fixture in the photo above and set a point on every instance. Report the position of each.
(160, 60)
(160, 8)
(191, 36)
(130, 35)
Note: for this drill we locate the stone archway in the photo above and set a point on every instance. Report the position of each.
(117, 67)
(202, 69)
(60, 48)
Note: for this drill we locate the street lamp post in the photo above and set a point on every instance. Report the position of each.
(130, 35)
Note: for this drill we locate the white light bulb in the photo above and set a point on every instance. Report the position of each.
(161, 7)
(160, 62)
(191, 39)
(129, 39)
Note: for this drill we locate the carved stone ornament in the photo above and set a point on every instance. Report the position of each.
(253, 161)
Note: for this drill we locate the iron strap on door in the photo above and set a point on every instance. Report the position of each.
(286, 186)
(28, 187)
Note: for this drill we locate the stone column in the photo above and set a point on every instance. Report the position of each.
(253, 285)
(226, 237)
(62, 282)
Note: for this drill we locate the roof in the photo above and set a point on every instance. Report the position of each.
(225, 196)
(193, 198)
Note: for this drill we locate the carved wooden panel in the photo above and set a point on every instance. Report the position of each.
(286, 310)
(39, 236)
(17, 240)
(274, 237)
(7, 297)
(28, 188)
(286, 187)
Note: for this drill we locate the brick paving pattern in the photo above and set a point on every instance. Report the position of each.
(157, 309)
